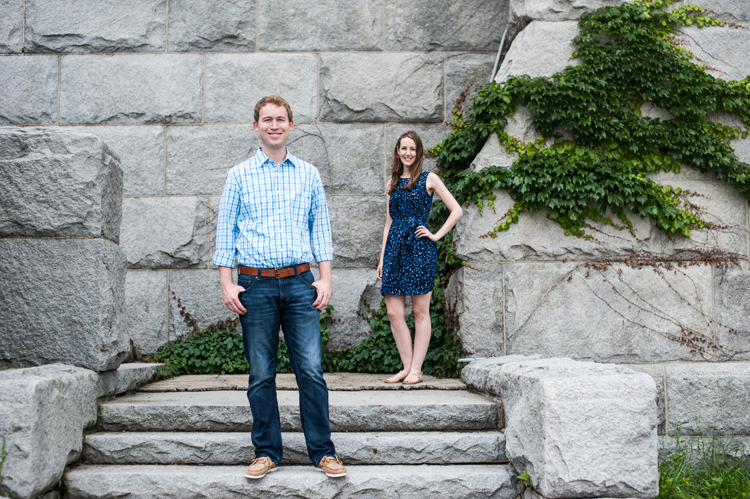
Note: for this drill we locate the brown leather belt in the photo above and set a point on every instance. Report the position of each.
(277, 273)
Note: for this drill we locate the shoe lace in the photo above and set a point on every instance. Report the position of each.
(331, 458)
(259, 459)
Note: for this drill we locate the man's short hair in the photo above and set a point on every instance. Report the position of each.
(276, 100)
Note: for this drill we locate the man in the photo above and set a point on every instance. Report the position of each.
(273, 219)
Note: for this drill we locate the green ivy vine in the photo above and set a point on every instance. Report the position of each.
(629, 56)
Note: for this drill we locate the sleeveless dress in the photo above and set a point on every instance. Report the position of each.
(409, 262)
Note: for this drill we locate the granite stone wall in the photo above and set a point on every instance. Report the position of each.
(170, 85)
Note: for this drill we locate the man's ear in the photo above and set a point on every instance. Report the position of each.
(255, 125)
(291, 125)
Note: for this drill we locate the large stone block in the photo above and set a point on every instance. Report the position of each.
(62, 300)
(657, 372)
(431, 136)
(536, 237)
(348, 157)
(382, 87)
(357, 224)
(43, 412)
(29, 95)
(11, 25)
(141, 153)
(213, 26)
(720, 48)
(478, 297)
(132, 88)
(95, 26)
(235, 82)
(58, 184)
(146, 310)
(720, 204)
(709, 398)
(353, 292)
(556, 10)
(732, 311)
(637, 315)
(542, 49)
(464, 25)
(165, 232)
(126, 378)
(466, 71)
(199, 157)
(332, 25)
(200, 294)
(560, 413)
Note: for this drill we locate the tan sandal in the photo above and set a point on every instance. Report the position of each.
(417, 374)
(393, 379)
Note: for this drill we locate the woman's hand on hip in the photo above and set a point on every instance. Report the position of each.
(422, 231)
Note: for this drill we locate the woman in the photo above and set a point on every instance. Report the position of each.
(408, 259)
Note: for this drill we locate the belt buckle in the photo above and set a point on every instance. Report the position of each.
(276, 273)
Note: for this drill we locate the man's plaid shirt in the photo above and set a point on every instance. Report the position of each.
(272, 216)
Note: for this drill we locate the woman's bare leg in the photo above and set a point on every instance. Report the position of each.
(402, 336)
(422, 332)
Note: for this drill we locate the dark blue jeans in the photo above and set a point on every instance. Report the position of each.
(271, 303)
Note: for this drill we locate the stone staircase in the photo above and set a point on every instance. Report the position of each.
(419, 443)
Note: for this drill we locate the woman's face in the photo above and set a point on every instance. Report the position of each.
(407, 151)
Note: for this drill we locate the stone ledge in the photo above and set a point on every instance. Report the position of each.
(126, 378)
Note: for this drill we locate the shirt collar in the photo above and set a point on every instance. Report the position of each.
(263, 159)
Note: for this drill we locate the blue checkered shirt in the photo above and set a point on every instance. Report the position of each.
(272, 216)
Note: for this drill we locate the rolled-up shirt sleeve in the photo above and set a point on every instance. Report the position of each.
(320, 224)
(227, 230)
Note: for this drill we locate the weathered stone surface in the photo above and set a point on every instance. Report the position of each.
(165, 232)
(478, 374)
(464, 71)
(466, 25)
(125, 378)
(732, 312)
(535, 237)
(357, 224)
(656, 371)
(556, 10)
(43, 412)
(729, 10)
(132, 88)
(478, 297)
(348, 157)
(353, 448)
(70, 293)
(431, 136)
(55, 183)
(200, 294)
(493, 154)
(146, 310)
(29, 93)
(141, 153)
(559, 413)
(199, 157)
(350, 287)
(370, 410)
(397, 87)
(235, 82)
(542, 49)
(408, 482)
(709, 398)
(11, 25)
(332, 25)
(210, 25)
(721, 48)
(93, 26)
(631, 317)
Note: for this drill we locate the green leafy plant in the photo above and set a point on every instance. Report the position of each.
(3, 455)
(526, 479)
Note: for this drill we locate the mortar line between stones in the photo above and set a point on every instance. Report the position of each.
(203, 97)
(666, 400)
(166, 29)
(23, 27)
(59, 86)
(257, 25)
(505, 329)
(713, 307)
(165, 159)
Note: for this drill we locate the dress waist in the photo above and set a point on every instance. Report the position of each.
(410, 221)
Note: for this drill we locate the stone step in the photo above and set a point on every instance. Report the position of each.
(486, 447)
(367, 410)
(228, 482)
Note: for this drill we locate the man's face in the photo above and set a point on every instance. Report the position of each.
(273, 125)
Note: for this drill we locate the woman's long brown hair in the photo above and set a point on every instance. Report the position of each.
(398, 167)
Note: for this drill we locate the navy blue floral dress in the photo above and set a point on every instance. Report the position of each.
(409, 262)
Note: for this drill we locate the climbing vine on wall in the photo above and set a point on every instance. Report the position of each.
(629, 56)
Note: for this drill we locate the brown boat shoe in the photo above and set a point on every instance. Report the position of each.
(259, 468)
(331, 466)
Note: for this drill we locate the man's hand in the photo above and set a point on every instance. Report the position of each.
(230, 291)
(323, 285)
